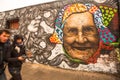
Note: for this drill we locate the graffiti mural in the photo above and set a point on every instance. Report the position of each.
(83, 30)
(78, 35)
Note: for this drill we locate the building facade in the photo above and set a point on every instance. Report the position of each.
(51, 43)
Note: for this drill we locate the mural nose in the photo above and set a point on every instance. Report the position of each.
(81, 38)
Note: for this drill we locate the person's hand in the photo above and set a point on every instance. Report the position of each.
(21, 58)
(29, 54)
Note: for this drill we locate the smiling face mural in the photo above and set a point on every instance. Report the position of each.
(80, 29)
(80, 36)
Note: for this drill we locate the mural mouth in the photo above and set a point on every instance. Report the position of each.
(82, 48)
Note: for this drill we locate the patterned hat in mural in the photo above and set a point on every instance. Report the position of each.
(105, 35)
(107, 14)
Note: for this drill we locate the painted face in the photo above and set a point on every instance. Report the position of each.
(80, 36)
(4, 37)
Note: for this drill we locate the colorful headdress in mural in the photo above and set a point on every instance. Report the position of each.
(105, 35)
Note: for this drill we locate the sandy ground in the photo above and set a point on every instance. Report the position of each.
(32, 71)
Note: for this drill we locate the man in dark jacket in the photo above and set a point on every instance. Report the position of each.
(4, 49)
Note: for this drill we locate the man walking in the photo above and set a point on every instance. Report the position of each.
(4, 49)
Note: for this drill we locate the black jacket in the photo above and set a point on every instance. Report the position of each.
(5, 48)
(13, 56)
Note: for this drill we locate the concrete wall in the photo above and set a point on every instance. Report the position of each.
(39, 25)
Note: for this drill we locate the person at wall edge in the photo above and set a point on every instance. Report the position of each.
(5, 48)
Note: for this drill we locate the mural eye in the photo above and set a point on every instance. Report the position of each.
(88, 30)
(73, 31)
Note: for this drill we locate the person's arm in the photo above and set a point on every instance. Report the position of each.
(10, 58)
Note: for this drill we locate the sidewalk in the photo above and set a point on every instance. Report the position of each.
(32, 71)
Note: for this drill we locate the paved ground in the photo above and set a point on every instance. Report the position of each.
(32, 71)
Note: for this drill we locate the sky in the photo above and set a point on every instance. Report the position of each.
(14, 4)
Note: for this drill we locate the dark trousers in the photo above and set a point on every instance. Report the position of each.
(15, 73)
(3, 76)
